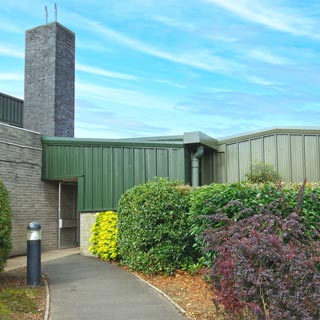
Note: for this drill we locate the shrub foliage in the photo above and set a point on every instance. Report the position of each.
(153, 227)
(5, 226)
(104, 236)
(262, 173)
(239, 201)
(266, 262)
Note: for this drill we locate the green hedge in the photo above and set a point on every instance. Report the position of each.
(153, 227)
(242, 200)
(5, 226)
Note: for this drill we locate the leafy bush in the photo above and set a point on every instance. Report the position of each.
(5, 226)
(104, 236)
(266, 263)
(242, 200)
(153, 227)
(262, 173)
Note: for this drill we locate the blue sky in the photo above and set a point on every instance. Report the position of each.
(151, 68)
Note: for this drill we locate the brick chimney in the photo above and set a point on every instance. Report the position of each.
(49, 80)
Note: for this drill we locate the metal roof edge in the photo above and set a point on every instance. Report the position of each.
(11, 97)
(269, 131)
(178, 138)
(198, 137)
(49, 140)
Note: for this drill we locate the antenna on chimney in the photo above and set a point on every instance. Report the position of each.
(46, 10)
(56, 12)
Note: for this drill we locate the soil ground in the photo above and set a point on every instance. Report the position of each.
(190, 291)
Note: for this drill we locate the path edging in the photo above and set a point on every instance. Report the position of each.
(164, 295)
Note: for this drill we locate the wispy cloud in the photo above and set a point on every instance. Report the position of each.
(103, 123)
(170, 83)
(11, 52)
(121, 96)
(104, 73)
(175, 23)
(202, 59)
(260, 81)
(270, 58)
(8, 26)
(274, 17)
(7, 76)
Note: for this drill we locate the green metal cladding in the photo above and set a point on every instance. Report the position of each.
(294, 153)
(11, 110)
(104, 169)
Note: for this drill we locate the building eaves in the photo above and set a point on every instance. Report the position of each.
(269, 131)
(48, 140)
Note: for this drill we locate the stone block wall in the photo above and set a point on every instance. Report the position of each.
(86, 223)
(31, 198)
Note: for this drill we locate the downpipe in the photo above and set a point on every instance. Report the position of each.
(195, 165)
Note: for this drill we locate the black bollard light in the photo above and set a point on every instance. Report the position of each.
(34, 254)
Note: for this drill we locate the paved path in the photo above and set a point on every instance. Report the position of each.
(21, 261)
(87, 288)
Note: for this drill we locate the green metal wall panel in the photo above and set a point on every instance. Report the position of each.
(106, 173)
(297, 158)
(284, 156)
(128, 179)
(97, 166)
(173, 163)
(105, 170)
(11, 110)
(118, 174)
(257, 150)
(77, 161)
(232, 162)
(207, 168)
(88, 181)
(312, 161)
(244, 158)
(162, 163)
(294, 154)
(150, 163)
(81, 202)
(180, 167)
(218, 162)
(138, 167)
(270, 155)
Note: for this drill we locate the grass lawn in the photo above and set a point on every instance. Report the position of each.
(17, 301)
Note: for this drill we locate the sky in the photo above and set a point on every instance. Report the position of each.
(154, 68)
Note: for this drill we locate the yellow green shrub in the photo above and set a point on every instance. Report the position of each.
(104, 236)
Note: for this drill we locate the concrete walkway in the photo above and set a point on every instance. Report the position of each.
(87, 288)
(21, 261)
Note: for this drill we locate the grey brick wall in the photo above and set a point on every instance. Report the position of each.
(31, 198)
(49, 80)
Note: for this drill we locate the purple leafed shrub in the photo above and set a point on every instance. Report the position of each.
(266, 263)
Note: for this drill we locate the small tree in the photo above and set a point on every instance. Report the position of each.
(262, 173)
(5, 226)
